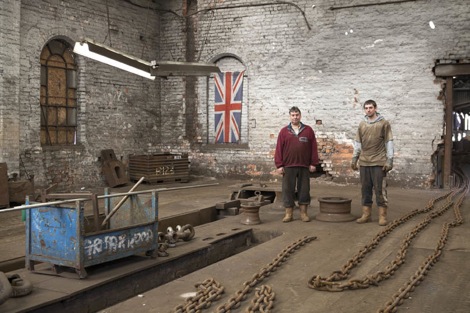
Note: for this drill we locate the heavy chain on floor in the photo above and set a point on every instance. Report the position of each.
(208, 291)
(453, 198)
(264, 300)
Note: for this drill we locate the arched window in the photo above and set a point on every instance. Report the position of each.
(58, 94)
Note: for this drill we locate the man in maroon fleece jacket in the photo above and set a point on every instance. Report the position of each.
(296, 156)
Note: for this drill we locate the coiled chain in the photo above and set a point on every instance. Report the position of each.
(332, 282)
(235, 301)
(264, 296)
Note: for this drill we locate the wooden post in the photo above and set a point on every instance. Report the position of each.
(449, 130)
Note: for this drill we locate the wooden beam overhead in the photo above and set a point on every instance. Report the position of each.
(446, 70)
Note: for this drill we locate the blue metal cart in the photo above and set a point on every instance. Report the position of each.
(60, 234)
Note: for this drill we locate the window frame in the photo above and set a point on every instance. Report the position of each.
(58, 95)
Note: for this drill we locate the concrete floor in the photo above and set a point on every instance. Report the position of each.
(444, 289)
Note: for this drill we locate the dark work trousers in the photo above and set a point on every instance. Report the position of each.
(295, 179)
(373, 178)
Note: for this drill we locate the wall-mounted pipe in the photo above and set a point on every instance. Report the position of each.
(370, 4)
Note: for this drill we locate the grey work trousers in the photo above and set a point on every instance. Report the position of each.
(295, 179)
(374, 179)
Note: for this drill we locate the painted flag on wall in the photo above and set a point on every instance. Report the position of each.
(228, 106)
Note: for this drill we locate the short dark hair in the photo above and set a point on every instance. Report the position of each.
(369, 102)
(294, 109)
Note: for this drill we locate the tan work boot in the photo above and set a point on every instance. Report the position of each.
(288, 217)
(382, 216)
(303, 213)
(366, 210)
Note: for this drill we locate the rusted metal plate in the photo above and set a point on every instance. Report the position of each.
(113, 169)
(20, 189)
(159, 168)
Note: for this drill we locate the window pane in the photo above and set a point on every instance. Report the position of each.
(72, 79)
(56, 86)
(71, 136)
(43, 75)
(61, 116)
(44, 55)
(43, 116)
(51, 116)
(56, 61)
(71, 117)
(43, 136)
(69, 60)
(52, 136)
(62, 136)
(43, 95)
(71, 101)
(56, 47)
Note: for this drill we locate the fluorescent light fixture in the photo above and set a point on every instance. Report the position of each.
(168, 68)
(110, 56)
(150, 70)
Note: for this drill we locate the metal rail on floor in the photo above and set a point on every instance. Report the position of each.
(38, 205)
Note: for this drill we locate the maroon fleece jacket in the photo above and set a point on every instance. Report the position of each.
(296, 150)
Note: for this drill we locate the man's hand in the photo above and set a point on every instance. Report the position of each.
(354, 164)
(388, 165)
(312, 168)
(281, 170)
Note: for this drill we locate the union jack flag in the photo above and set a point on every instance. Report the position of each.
(228, 106)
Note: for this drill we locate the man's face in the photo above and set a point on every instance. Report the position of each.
(370, 110)
(295, 118)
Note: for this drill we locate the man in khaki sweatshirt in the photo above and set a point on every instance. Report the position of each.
(373, 150)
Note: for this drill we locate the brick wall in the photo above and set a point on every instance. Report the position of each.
(9, 84)
(326, 59)
(350, 54)
(117, 110)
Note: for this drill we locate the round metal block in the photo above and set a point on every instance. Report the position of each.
(250, 213)
(335, 209)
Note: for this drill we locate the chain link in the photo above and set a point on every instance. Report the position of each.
(404, 292)
(208, 291)
(332, 282)
(263, 301)
(234, 302)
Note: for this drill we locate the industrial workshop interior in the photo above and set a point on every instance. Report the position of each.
(140, 166)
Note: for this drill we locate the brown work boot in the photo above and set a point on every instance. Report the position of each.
(366, 210)
(303, 213)
(288, 217)
(382, 216)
